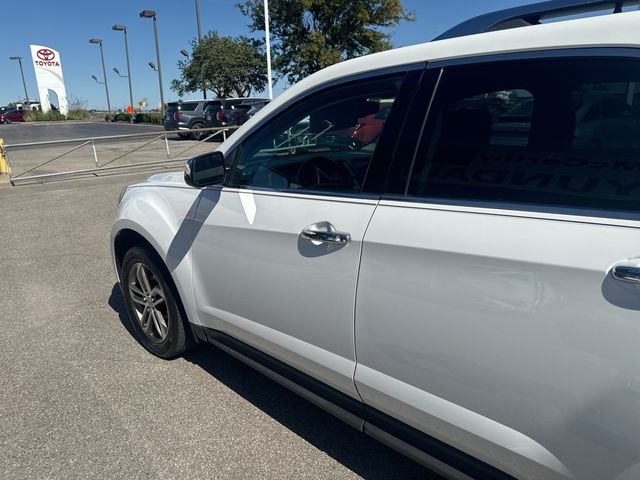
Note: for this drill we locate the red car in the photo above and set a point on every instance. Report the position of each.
(12, 116)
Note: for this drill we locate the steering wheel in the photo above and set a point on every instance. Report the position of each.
(325, 173)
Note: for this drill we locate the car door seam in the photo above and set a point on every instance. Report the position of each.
(355, 301)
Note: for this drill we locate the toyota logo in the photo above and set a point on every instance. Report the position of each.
(45, 54)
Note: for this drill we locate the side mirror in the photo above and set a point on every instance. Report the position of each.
(203, 170)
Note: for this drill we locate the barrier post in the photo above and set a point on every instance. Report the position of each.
(4, 164)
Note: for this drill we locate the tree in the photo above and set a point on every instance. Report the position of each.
(309, 35)
(225, 65)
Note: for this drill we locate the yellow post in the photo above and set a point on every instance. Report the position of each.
(4, 165)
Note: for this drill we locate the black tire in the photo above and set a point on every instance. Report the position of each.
(185, 136)
(177, 338)
(8, 120)
(198, 135)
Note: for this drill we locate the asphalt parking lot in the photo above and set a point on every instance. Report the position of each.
(79, 154)
(79, 398)
(48, 131)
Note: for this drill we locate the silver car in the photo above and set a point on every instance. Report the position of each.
(469, 299)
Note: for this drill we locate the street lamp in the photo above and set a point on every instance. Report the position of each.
(98, 41)
(24, 84)
(184, 53)
(153, 66)
(96, 79)
(123, 28)
(152, 14)
(268, 45)
(204, 91)
(198, 19)
(118, 73)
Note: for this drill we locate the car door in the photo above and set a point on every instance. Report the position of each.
(277, 254)
(498, 298)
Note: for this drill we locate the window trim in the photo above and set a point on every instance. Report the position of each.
(406, 69)
(621, 53)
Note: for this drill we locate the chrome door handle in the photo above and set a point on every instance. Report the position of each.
(626, 273)
(326, 233)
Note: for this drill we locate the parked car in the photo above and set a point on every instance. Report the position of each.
(231, 111)
(366, 130)
(186, 115)
(241, 113)
(470, 301)
(11, 116)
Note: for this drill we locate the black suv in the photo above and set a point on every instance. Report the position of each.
(221, 112)
(186, 115)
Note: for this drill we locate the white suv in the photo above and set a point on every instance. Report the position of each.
(439, 244)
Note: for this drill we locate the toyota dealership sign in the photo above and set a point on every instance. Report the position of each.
(48, 68)
(46, 58)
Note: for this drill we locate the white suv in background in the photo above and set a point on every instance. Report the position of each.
(439, 244)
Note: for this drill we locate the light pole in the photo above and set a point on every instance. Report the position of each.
(104, 72)
(152, 14)
(123, 28)
(24, 84)
(268, 45)
(204, 91)
(198, 19)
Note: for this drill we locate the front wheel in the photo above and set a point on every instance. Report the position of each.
(8, 120)
(152, 302)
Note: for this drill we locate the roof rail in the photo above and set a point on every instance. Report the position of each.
(531, 15)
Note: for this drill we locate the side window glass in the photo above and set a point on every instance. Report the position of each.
(188, 107)
(324, 143)
(557, 132)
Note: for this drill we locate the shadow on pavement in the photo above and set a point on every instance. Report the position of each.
(355, 450)
(116, 302)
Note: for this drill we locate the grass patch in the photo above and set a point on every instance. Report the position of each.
(50, 116)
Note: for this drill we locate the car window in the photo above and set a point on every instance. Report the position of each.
(213, 106)
(324, 143)
(188, 107)
(564, 133)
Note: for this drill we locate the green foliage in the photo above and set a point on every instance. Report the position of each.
(227, 66)
(78, 114)
(154, 118)
(309, 35)
(50, 116)
(121, 117)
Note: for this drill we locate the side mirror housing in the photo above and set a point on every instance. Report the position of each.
(204, 170)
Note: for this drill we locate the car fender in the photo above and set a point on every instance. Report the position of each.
(165, 218)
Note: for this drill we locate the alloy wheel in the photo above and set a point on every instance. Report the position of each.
(149, 302)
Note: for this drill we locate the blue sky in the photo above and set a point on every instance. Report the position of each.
(68, 25)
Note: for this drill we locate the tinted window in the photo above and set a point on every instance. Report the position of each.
(213, 106)
(188, 107)
(562, 132)
(323, 143)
